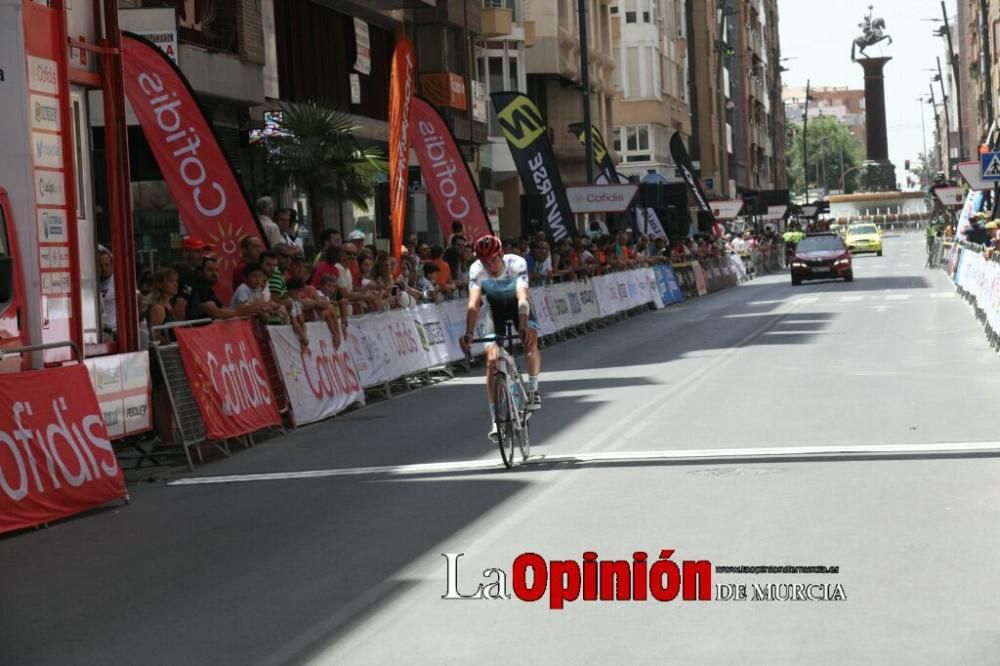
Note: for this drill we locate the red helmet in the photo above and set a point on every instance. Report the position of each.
(488, 247)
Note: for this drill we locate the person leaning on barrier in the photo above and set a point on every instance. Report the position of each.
(209, 304)
(193, 253)
(159, 312)
(294, 288)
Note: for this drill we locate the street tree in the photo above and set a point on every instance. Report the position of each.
(832, 151)
(314, 149)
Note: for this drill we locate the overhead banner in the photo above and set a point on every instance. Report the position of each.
(686, 169)
(527, 135)
(401, 89)
(56, 457)
(446, 175)
(321, 380)
(209, 199)
(228, 378)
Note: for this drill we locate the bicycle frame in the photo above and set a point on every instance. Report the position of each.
(508, 368)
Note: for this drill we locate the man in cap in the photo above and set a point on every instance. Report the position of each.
(193, 251)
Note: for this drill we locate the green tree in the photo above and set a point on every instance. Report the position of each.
(314, 150)
(833, 150)
(924, 168)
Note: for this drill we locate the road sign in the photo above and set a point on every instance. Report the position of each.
(989, 166)
(600, 198)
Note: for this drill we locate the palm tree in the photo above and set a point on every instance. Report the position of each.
(315, 150)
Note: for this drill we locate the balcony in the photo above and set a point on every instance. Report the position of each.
(497, 22)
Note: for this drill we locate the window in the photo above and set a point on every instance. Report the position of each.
(636, 143)
(631, 12)
(632, 71)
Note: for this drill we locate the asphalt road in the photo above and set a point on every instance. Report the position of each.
(849, 425)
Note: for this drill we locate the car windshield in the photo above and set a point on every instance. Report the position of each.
(820, 243)
(864, 229)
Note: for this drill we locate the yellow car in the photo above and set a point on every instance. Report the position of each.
(864, 238)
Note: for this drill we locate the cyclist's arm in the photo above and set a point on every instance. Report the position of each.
(522, 312)
(475, 299)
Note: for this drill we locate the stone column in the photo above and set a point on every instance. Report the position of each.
(878, 174)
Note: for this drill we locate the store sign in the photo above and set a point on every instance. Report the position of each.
(165, 40)
(726, 210)
(363, 47)
(444, 89)
(600, 198)
(479, 101)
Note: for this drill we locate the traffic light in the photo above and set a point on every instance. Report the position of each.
(907, 164)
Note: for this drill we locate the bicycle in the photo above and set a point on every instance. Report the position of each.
(511, 399)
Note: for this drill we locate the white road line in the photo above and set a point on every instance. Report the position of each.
(851, 299)
(765, 302)
(610, 457)
(896, 297)
(806, 300)
(943, 294)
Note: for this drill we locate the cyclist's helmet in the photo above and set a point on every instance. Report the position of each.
(488, 247)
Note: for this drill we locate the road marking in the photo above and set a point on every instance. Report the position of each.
(896, 297)
(851, 299)
(943, 294)
(750, 454)
(806, 300)
(765, 302)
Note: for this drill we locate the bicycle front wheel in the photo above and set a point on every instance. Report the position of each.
(504, 418)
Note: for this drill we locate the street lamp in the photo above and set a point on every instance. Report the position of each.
(923, 135)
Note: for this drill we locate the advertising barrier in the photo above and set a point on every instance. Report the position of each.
(666, 280)
(56, 457)
(321, 380)
(226, 371)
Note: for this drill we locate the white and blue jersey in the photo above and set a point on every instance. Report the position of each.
(501, 291)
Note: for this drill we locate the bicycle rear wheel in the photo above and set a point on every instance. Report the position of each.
(505, 415)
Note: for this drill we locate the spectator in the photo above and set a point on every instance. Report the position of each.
(285, 254)
(327, 239)
(456, 230)
(332, 264)
(252, 290)
(193, 253)
(250, 247)
(294, 290)
(285, 218)
(109, 306)
(164, 288)
(341, 307)
(976, 233)
(208, 303)
(275, 283)
(539, 261)
(427, 284)
(265, 210)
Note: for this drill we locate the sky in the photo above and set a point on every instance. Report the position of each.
(816, 37)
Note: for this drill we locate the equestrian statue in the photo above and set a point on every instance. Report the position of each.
(872, 32)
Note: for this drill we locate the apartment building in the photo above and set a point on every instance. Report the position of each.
(840, 102)
(651, 77)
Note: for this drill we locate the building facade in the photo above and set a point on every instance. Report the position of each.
(651, 78)
(842, 103)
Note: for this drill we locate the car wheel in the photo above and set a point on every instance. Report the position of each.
(796, 281)
(849, 277)
(879, 253)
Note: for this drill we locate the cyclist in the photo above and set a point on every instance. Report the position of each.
(503, 279)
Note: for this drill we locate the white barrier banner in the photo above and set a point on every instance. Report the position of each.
(320, 380)
(540, 306)
(576, 313)
(588, 299)
(398, 339)
(648, 275)
(606, 294)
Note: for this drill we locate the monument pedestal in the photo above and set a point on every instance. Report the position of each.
(878, 174)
